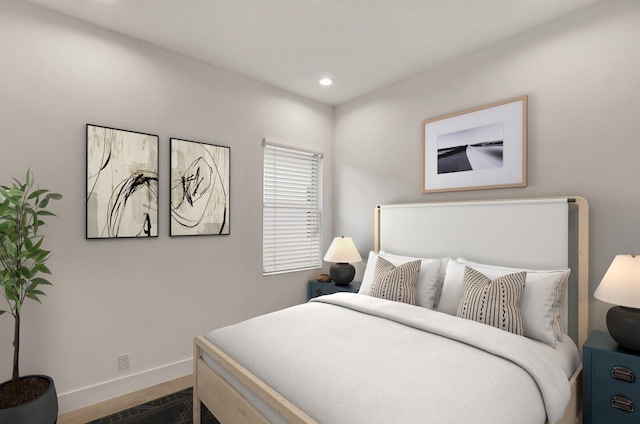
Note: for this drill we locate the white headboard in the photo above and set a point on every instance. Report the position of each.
(527, 233)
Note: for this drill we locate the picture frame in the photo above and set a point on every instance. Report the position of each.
(480, 148)
(121, 183)
(199, 190)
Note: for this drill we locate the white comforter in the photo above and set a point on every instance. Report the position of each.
(348, 358)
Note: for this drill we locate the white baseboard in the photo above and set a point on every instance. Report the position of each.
(91, 395)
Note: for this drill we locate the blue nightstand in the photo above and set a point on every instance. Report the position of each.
(317, 288)
(610, 386)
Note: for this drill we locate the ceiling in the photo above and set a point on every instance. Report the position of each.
(361, 44)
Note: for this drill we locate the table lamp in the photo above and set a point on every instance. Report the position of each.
(341, 252)
(621, 286)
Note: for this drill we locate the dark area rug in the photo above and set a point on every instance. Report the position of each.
(176, 408)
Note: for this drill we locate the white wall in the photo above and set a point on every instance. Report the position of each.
(582, 76)
(147, 297)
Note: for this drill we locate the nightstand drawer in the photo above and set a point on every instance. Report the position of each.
(324, 288)
(616, 400)
(610, 387)
(624, 371)
(606, 418)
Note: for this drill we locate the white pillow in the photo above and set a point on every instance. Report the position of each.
(540, 304)
(426, 286)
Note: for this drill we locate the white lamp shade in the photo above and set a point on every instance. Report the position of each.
(621, 283)
(342, 250)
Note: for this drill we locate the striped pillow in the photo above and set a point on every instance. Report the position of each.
(397, 283)
(493, 302)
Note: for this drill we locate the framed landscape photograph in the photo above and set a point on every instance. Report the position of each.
(479, 148)
(199, 188)
(122, 183)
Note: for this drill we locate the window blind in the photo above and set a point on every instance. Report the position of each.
(291, 210)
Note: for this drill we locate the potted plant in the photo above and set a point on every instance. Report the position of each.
(23, 208)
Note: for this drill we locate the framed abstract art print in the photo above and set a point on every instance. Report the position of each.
(122, 183)
(199, 188)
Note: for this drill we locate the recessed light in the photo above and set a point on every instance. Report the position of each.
(326, 81)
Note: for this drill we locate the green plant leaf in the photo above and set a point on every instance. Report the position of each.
(10, 247)
(40, 255)
(40, 280)
(10, 293)
(43, 268)
(33, 297)
(46, 213)
(36, 293)
(43, 203)
(37, 193)
(25, 272)
(39, 242)
(6, 211)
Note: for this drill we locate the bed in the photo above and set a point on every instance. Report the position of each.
(369, 358)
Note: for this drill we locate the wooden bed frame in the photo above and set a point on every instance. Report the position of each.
(230, 406)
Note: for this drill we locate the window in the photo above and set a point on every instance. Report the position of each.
(291, 210)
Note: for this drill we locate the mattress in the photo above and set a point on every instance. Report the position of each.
(340, 360)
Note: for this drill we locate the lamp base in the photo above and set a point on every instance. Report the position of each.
(624, 326)
(342, 273)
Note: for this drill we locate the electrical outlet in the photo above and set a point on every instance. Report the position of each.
(123, 361)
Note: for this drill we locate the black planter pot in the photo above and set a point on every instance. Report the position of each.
(42, 410)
